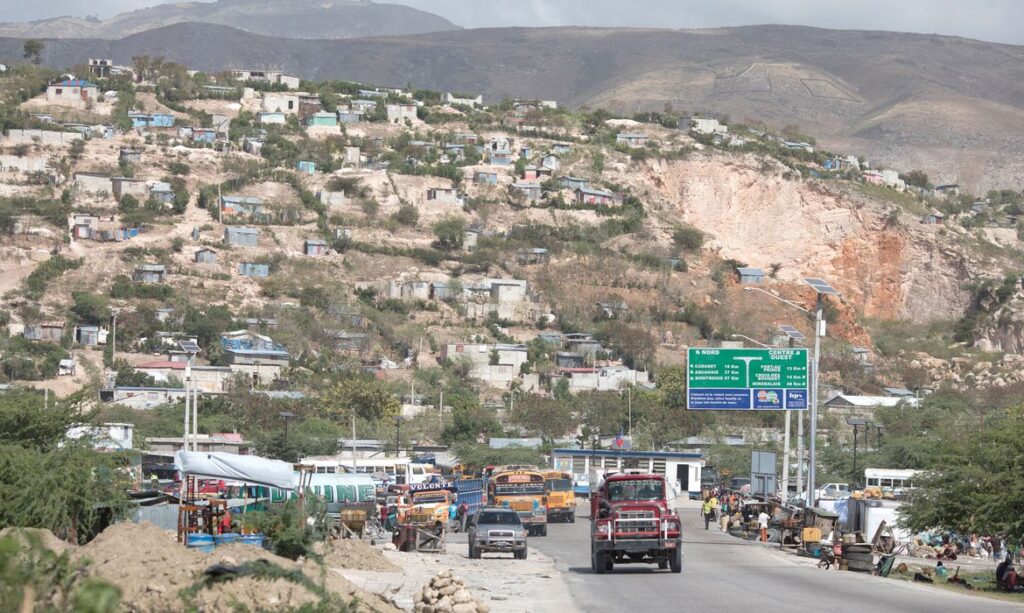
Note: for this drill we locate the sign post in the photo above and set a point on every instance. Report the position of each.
(747, 379)
(762, 474)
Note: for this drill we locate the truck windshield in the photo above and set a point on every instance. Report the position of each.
(428, 497)
(636, 489)
(491, 518)
(559, 485)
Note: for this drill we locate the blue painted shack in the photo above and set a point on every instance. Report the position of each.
(252, 269)
(750, 276)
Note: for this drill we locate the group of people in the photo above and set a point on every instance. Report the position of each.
(948, 546)
(723, 508)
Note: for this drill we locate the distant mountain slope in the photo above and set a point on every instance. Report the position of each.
(326, 19)
(951, 106)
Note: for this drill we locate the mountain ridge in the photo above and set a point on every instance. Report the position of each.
(951, 106)
(299, 19)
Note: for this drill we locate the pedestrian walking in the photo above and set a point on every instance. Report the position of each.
(708, 510)
(762, 523)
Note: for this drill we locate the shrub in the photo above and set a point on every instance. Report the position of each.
(450, 232)
(688, 238)
(407, 215)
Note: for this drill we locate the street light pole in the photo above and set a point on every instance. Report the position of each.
(812, 472)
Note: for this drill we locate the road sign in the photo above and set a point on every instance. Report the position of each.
(762, 473)
(747, 379)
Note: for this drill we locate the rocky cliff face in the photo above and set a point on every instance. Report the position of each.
(1003, 330)
(756, 213)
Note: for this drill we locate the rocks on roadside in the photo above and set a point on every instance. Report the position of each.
(446, 593)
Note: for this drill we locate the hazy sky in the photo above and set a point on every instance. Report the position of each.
(994, 20)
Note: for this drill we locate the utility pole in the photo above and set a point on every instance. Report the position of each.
(354, 460)
(629, 403)
(785, 458)
(811, 471)
(440, 411)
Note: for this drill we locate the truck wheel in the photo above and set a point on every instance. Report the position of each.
(676, 561)
(520, 554)
(662, 564)
(543, 530)
(601, 562)
(572, 517)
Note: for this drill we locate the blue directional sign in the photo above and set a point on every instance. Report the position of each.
(747, 380)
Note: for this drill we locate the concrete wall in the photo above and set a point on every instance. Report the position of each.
(13, 163)
(45, 137)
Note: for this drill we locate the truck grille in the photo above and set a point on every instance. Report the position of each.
(522, 505)
(636, 521)
(500, 534)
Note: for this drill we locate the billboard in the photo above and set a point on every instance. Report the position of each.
(747, 379)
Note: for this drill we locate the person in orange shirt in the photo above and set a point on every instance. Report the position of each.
(225, 522)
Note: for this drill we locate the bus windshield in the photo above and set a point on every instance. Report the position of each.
(558, 485)
(518, 489)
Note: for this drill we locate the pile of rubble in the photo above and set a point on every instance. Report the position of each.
(446, 593)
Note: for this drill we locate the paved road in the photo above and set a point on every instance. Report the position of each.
(723, 573)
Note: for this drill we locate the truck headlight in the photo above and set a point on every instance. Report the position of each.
(520, 534)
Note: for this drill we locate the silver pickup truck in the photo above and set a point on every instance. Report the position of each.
(497, 530)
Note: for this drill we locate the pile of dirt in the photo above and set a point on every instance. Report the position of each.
(357, 555)
(145, 562)
(446, 593)
(151, 569)
(33, 536)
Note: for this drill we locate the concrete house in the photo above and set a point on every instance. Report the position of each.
(363, 106)
(353, 156)
(315, 247)
(798, 146)
(280, 102)
(151, 120)
(509, 360)
(444, 195)
(470, 238)
(253, 269)
(594, 196)
(450, 98)
(161, 192)
(552, 162)
(530, 173)
(631, 139)
(73, 92)
(206, 256)
(468, 138)
(150, 273)
(125, 186)
(531, 191)
(129, 156)
(707, 126)
(570, 360)
(561, 148)
(485, 177)
(322, 118)
(271, 118)
(573, 183)
(241, 236)
(750, 276)
(93, 183)
(506, 290)
(254, 354)
(398, 113)
(331, 198)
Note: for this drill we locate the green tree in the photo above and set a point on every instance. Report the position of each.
(33, 50)
(917, 178)
(547, 417)
(368, 398)
(470, 422)
(91, 308)
(450, 232)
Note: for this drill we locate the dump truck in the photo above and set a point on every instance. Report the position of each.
(633, 524)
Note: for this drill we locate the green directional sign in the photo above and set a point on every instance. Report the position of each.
(747, 379)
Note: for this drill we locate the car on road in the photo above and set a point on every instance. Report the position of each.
(497, 530)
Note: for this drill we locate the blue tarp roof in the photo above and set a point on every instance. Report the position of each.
(249, 343)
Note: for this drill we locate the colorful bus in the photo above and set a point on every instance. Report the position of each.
(523, 492)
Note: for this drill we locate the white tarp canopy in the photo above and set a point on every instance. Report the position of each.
(245, 468)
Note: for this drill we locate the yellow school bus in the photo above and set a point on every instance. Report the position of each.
(561, 500)
(523, 492)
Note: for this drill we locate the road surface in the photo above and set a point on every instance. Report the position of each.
(724, 573)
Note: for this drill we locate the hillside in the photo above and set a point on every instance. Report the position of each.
(284, 18)
(950, 106)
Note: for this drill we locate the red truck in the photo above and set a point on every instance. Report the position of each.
(633, 524)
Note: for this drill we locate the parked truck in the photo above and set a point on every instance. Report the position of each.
(632, 523)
